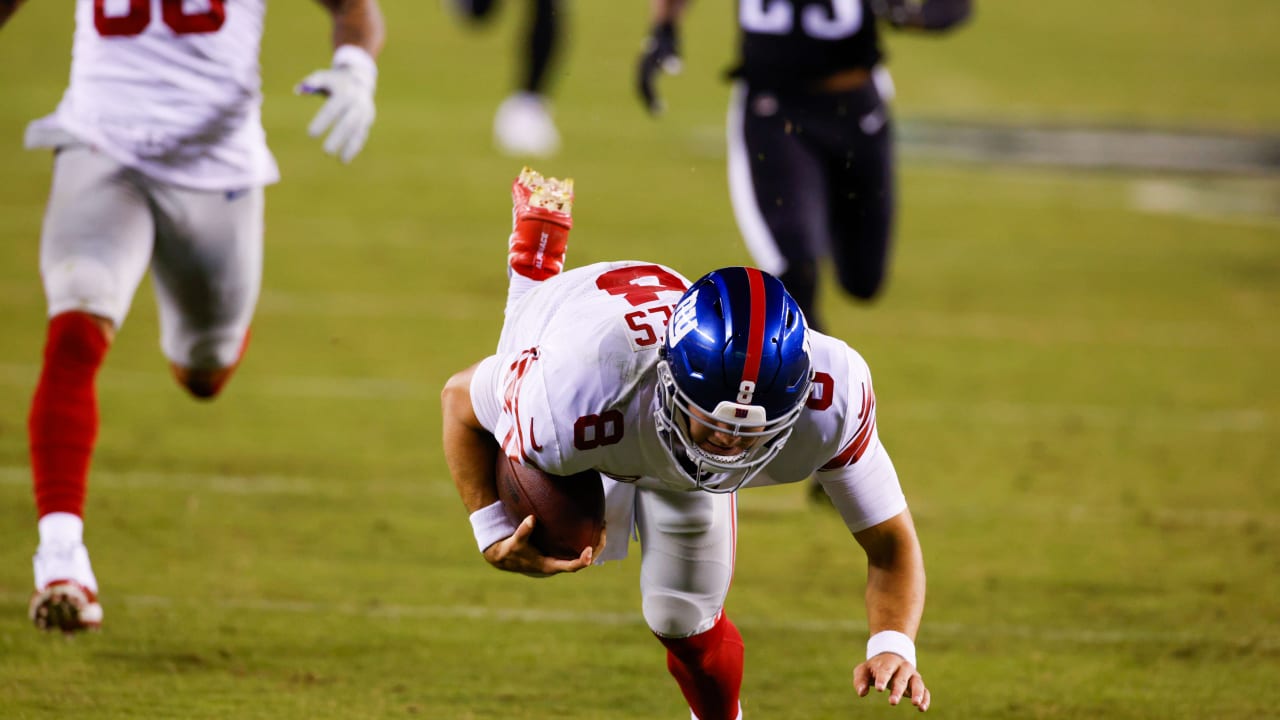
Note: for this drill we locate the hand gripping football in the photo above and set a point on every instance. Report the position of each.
(568, 510)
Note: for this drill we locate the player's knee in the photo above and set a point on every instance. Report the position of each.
(475, 9)
(863, 285)
(688, 523)
(83, 284)
(672, 615)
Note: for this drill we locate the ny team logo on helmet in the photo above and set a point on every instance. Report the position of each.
(736, 360)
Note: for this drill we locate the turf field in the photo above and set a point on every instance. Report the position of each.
(1076, 375)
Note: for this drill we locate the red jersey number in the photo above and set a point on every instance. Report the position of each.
(139, 16)
(592, 431)
(648, 325)
(639, 284)
(821, 392)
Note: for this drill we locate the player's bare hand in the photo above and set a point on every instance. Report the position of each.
(599, 546)
(517, 554)
(888, 671)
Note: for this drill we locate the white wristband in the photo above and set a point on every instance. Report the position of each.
(356, 57)
(894, 642)
(491, 524)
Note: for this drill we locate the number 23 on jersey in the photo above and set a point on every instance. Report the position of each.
(778, 17)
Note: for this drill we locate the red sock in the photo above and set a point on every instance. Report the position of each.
(708, 667)
(63, 424)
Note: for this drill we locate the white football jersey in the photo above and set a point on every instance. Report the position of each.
(574, 387)
(170, 88)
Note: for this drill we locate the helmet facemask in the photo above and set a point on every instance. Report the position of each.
(677, 413)
(735, 364)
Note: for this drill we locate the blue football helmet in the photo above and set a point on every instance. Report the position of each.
(736, 361)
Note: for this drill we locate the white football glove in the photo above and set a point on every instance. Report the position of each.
(349, 112)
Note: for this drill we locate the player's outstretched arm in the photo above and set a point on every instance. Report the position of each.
(7, 8)
(470, 450)
(895, 603)
(347, 115)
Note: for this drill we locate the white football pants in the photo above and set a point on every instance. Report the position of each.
(105, 224)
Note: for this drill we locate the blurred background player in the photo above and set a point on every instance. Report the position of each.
(682, 394)
(523, 125)
(160, 161)
(810, 137)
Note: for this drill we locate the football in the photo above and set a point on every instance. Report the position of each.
(569, 510)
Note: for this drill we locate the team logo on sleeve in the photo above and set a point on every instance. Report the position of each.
(685, 319)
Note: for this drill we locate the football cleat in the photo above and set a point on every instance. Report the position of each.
(541, 217)
(523, 127)
(66, 596)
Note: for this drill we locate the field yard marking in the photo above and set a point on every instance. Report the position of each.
(247, 484)
(294, 386)
(456, 306)
(20, 476)
(217, 483)
(1243, 420)
(1225, 420)
(340, 387)
(1060, 331)
(1039, 633)
(1091, 147)
(1200, 518)
(1198, 201)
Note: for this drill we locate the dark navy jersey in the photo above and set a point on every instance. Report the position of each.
(788, 44)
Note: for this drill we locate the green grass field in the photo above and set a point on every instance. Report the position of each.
(1078, 390)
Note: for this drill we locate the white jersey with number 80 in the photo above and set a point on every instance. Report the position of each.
(170, 88)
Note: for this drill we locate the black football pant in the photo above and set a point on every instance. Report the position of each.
(541, 39)
(812, 175)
